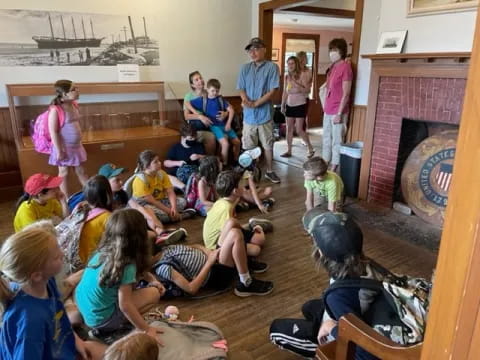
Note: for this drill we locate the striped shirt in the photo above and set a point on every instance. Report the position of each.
(189, 259)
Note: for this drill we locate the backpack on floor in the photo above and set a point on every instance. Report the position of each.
(42, 141)
(191, 192)
(69, 232)
(191, 341)
(400, 308)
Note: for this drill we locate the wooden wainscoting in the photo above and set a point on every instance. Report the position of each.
(10, 178)
(356, 128)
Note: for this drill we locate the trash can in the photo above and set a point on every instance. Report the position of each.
(350, 161)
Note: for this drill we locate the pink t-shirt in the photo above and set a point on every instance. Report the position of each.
(338, 73)
(298, 89)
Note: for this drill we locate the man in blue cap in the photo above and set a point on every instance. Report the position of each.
(258, 80)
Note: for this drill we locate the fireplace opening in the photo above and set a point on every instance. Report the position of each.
(413, 132)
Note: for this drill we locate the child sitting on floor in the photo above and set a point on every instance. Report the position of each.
(136, 345)
(42, 200)
(211, 105)
(106, 295)
(327, 184)
(200, 190)
(151, 187)
(183, 159)
(34, 321)
(253, 196)
(221, 219)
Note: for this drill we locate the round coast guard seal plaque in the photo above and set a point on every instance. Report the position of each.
(427, 176)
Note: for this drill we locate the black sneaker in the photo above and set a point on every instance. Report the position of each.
(188, 213)
(268, 203)
(265, 224)
(242, 206)
(256, 287)
(270, 175)
(257, 267)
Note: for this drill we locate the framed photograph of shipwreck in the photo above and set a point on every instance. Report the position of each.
(427, 7)
(52, 38)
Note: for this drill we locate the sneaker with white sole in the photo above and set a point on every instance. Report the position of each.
(265, 224)
(270, 175)
(188, 213)
(268, 203)
(256, 287)
(170, 237)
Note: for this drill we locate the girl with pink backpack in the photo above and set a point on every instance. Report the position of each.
(67, 149)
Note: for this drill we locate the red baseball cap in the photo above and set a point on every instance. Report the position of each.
(37, 182)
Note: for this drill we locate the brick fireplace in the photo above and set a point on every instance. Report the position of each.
(421, 87)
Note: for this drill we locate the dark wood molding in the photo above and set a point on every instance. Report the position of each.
(321, 11)
(423, 56)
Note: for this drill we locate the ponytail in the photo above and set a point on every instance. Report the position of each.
(25, 197)
(61, 88)
(145, 159)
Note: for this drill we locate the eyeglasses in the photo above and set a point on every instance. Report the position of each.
(252, 49)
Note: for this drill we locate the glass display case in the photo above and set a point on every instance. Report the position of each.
(118, 121)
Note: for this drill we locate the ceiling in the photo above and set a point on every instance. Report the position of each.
(311, 21)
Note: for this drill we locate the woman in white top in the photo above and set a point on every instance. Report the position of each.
(294, 103)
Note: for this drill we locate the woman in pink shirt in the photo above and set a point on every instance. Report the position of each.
(339, 84)
(294, 103)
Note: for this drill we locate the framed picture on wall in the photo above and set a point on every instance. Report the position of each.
(275, 54)
(426, 7)
(391, 42)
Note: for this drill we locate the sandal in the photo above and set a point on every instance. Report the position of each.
(286, 154)
(310, 153)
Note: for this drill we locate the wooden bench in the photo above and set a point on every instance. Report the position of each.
(353, 331)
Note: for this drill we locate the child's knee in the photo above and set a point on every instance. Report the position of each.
(258, 239)
(253, 250)
(223, 143)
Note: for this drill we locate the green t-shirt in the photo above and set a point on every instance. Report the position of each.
(330, 187)
(97, 303)
(189, 97)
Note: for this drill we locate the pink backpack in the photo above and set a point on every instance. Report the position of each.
(41, 138)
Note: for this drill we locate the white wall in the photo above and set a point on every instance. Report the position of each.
(208, 36)
(427, 33)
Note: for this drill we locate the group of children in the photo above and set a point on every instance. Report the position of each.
(114, 228)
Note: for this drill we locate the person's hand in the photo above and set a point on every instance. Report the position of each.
(325, 330)
(153, 332)
(159, 286)
(283, 109)
(222, 115)
(213, 256)
(228, 127)
(82, 349)
(194, 157)
(205, 120)
(174, 213)
(248, 103)
(337, 119)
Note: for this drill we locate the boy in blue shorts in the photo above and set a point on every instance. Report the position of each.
(211, 104)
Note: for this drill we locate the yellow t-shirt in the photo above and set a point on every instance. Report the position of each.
(30, 211)
(91, 235)
(221, 211)
(155, 185)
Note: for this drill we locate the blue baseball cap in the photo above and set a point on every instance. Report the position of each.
(110, 170)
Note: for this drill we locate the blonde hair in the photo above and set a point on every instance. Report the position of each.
(21, 255)
(136, 345)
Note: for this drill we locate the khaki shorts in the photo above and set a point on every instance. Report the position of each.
(254, 135)
(205, 136)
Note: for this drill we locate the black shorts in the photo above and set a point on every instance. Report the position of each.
(299, 111)
(221, 277)
(247, 235)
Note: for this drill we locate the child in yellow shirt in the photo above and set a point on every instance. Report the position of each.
(42, 200)
(152, 188)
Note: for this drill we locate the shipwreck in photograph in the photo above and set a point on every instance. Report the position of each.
(52, 42)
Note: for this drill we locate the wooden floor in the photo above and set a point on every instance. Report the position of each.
(245, 321)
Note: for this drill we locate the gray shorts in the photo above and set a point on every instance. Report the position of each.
(116, 321)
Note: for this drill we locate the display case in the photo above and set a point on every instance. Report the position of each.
(118, 121)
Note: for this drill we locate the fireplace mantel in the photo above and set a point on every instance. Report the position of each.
(448, 69)
(428, 57)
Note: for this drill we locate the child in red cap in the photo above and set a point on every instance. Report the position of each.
(42, 200)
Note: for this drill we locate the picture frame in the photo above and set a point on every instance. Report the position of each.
(429, 7)
(275, 53)
(391, 42)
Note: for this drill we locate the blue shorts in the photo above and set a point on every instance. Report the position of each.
(219, 132)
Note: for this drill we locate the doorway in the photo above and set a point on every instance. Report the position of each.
(292, 43)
